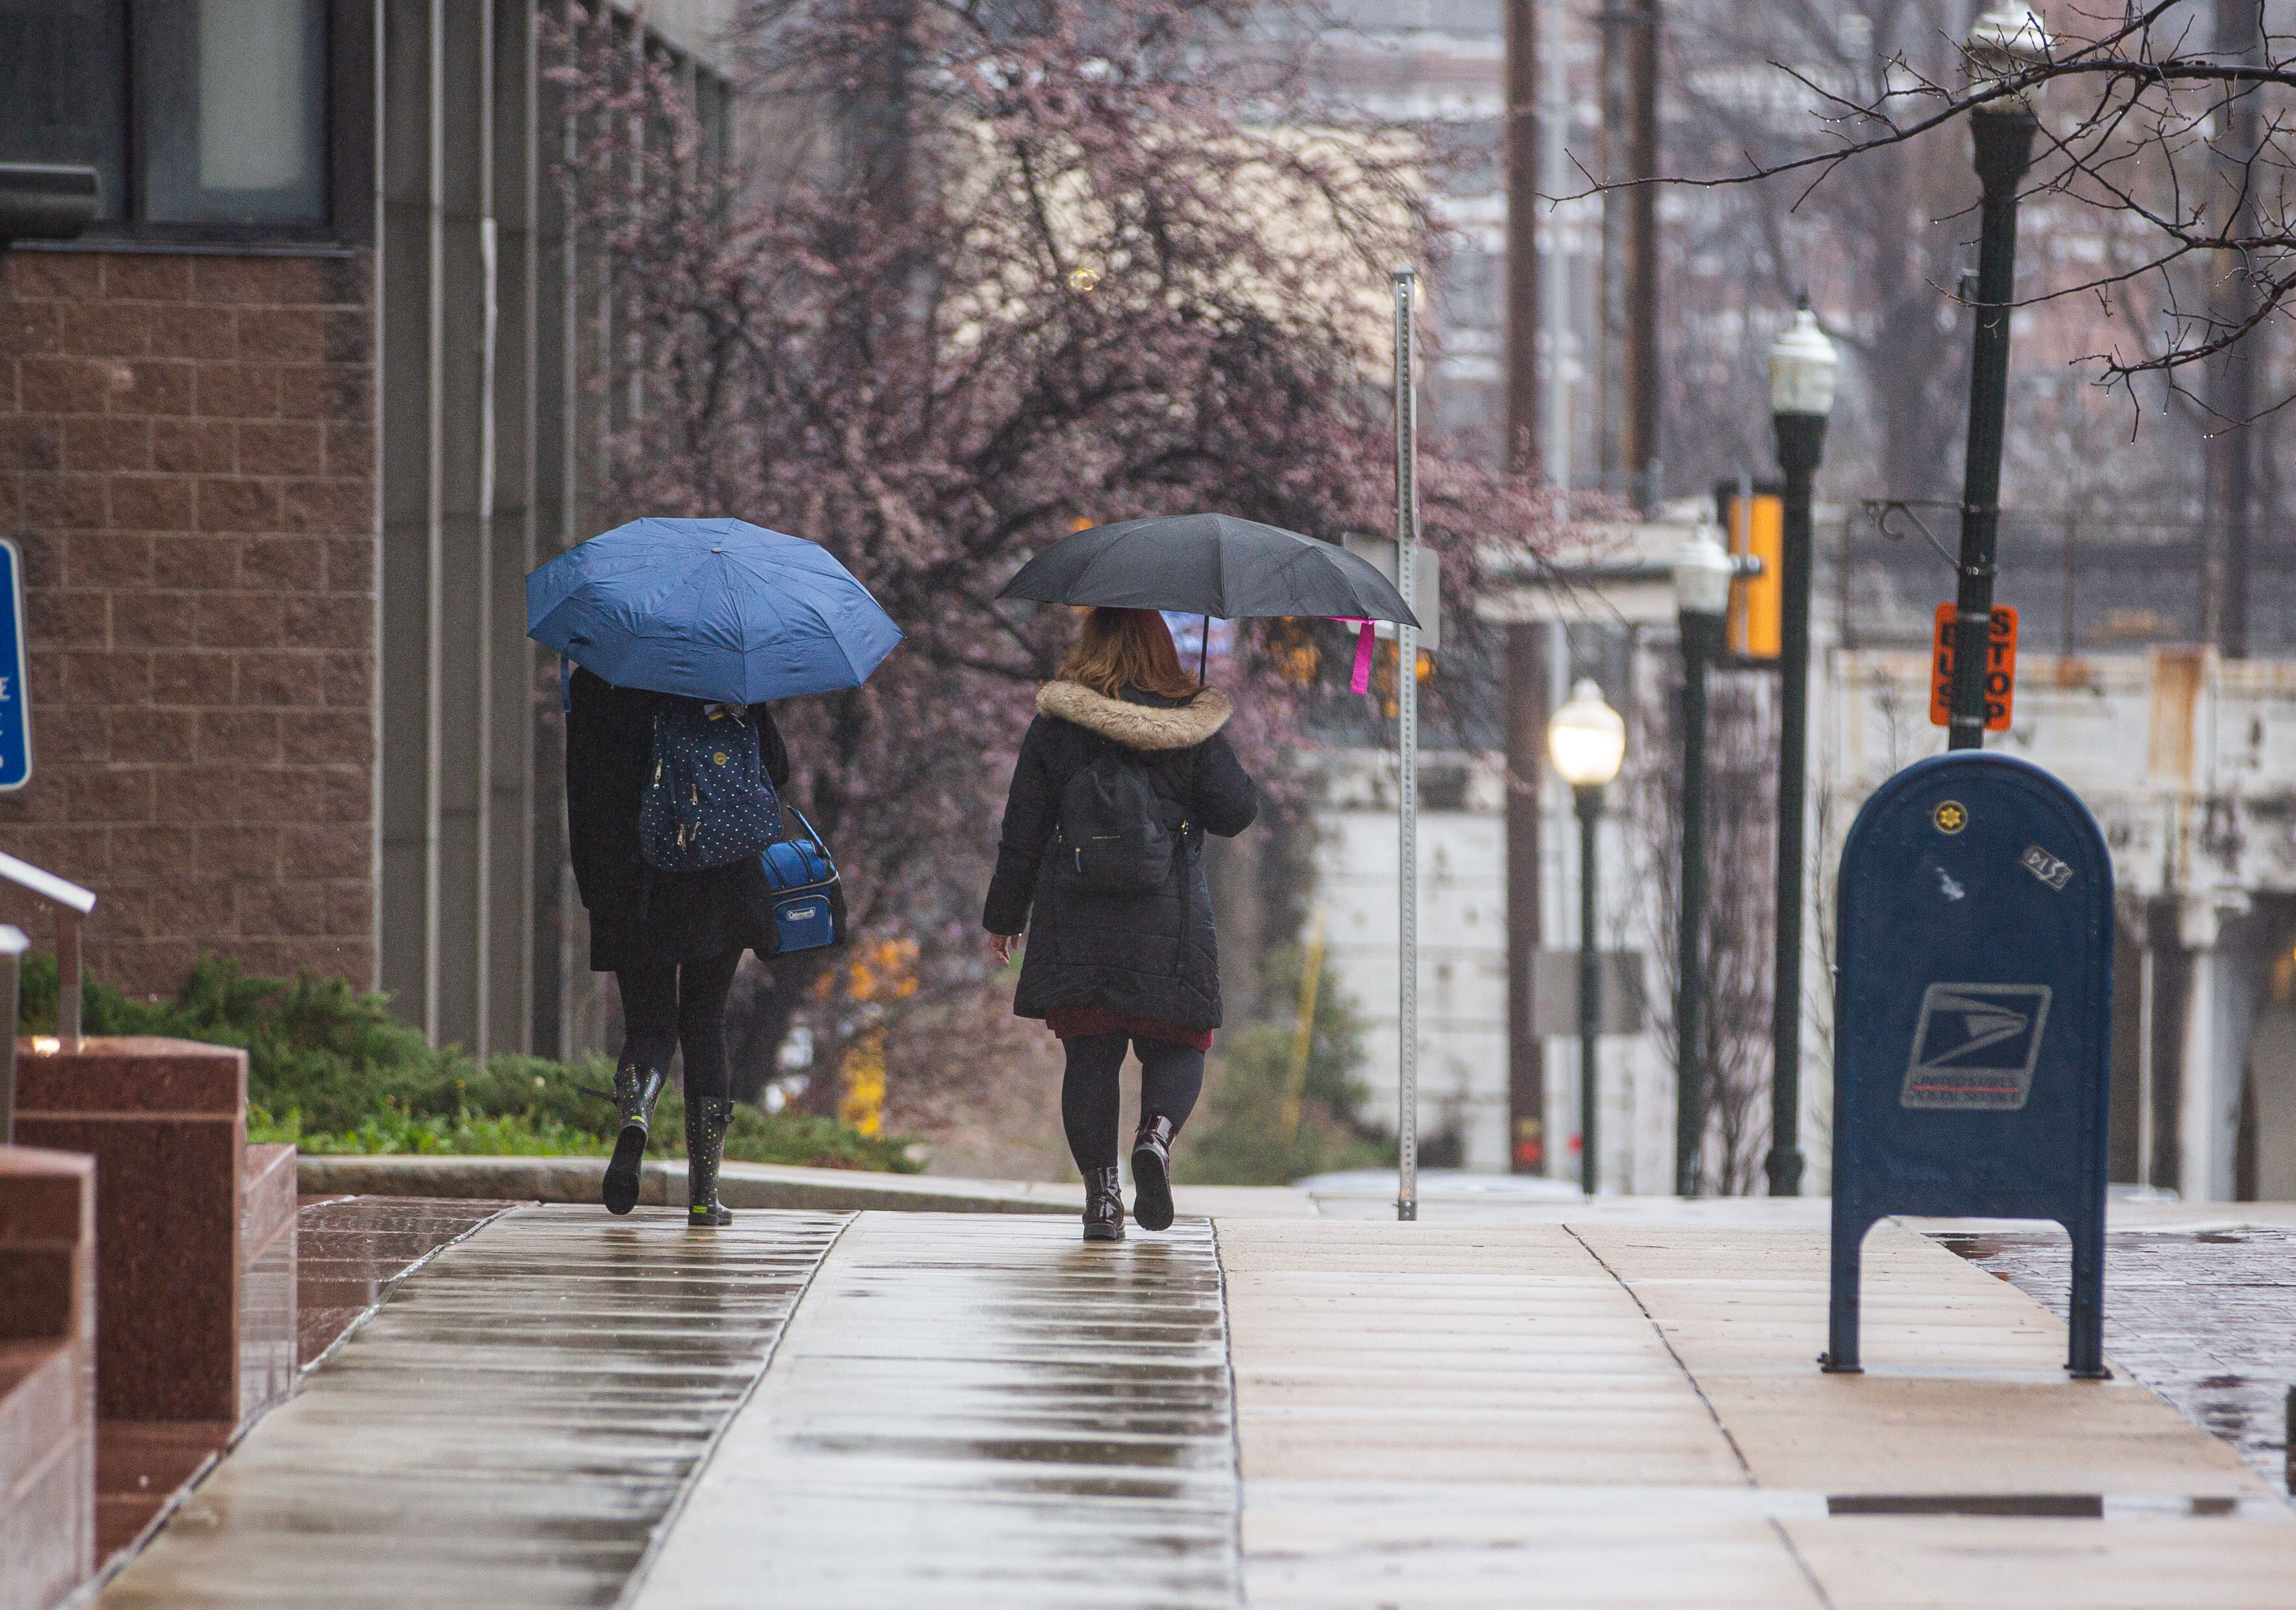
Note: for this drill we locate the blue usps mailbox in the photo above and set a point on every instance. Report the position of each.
(15, 698)
(1974, 1013)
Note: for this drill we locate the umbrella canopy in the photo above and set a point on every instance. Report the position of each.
(711, 608)
(1209, 564)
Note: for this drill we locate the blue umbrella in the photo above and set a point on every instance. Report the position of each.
(712, 609)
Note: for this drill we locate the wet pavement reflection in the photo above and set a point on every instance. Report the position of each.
(508, 1430)
(971, 1410)
(350, 1249)
(2207, 1318)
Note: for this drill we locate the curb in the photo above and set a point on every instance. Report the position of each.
(740, 1185)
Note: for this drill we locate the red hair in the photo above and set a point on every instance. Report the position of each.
(1117, 648)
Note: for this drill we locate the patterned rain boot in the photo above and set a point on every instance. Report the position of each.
(1104, 1204)
(705, 1149)
(636, 1090)
(1151, 1173)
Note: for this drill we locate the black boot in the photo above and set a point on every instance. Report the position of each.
(1104, 1204)
(1151, 1173)
(636, 1090)
(705, 1148)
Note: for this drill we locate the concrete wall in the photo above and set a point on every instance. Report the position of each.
(187, 459)
(468, 481)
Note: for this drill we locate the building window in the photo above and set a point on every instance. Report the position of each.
(204, 119)
(235, 109)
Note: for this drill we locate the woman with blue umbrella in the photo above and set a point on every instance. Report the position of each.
(680, 635)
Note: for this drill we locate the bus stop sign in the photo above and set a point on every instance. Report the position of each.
(1973, 1014)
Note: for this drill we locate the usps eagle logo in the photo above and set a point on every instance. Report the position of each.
(1975, 1046)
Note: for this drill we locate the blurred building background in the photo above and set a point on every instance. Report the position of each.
(279, 436)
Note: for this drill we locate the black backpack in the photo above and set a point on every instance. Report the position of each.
(1111, 837)
(707, 801)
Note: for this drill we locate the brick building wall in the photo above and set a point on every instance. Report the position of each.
(187, 460)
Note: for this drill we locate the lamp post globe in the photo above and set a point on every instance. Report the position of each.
(2005, 42)
(1587, 738)
(1803, 365)
(1587, 741)
(1702, 573)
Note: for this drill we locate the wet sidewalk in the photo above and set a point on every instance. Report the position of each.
(960, 1409)
(510, 1429)
(972, 1412)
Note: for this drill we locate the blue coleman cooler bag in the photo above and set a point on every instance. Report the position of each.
(808, 905)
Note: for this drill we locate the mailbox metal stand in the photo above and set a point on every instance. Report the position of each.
(1973, 1020)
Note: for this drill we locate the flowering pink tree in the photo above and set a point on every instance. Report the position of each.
(997, 273)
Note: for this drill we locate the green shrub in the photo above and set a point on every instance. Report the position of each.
(330, 1070)
(1240, 1136)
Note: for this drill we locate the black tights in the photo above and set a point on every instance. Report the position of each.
(668, 1007)
(1171, 1077)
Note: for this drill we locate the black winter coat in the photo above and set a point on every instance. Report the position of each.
(1137, 955)
(686, 915)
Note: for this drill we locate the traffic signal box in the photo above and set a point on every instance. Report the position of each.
(1757, 526)
(2000, 667)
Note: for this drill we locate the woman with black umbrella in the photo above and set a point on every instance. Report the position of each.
(1101, 864)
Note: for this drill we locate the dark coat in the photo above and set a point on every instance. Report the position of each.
(1137, 955)
(686, 915)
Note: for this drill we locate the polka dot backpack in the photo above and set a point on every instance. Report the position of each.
(707, 801)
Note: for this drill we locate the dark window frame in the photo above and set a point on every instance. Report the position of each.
(348, 140)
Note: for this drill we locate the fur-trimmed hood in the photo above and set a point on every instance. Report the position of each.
(1136, 725)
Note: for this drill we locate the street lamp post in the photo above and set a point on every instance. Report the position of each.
(1803, 367)
(1702, 573)
(1588, 740)
(2004, 42)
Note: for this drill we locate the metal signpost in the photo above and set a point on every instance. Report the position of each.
(1406, 738)
(1973, 1020)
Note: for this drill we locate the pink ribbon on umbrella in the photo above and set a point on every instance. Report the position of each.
(1361, 682)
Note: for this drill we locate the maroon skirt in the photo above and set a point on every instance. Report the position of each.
(1071, 1022)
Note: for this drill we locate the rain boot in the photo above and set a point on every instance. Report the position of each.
(705, 1148)
(1104, 1204)
(636, 1090)
(1151, 1173)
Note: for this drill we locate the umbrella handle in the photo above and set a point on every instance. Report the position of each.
(1203, 650)
(565, 686)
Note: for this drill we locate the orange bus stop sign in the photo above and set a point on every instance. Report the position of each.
(2000, 669)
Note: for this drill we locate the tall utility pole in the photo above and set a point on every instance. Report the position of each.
(2232, 448)
(1522, 264)
(1526, 642)
(1629, 376)
(1526, 744)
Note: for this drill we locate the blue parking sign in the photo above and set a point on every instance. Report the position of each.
(1973, 1019)
(15, 696)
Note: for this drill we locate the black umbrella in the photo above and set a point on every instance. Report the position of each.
(1209, 564)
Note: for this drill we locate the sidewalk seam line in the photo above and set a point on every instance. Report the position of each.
(1707, 1404)
(1234, 1411)
(662, 1528)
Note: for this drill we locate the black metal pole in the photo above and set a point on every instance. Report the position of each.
(1589, 802)
(1802, 443)
(1700, 641)
(2005, 150)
